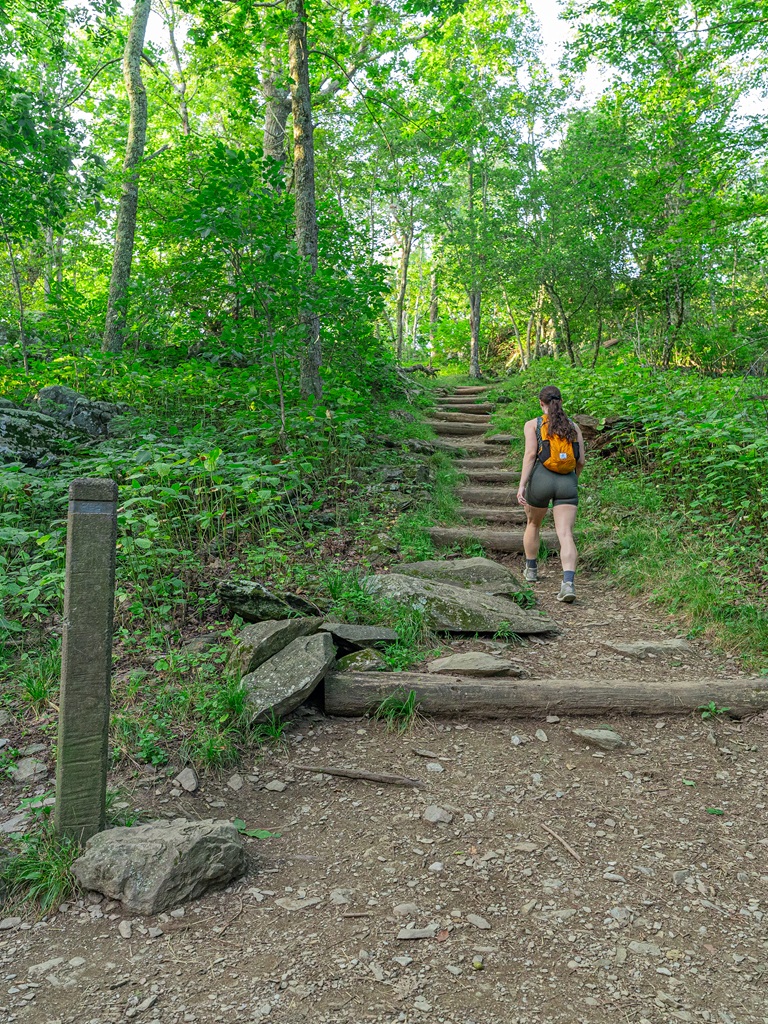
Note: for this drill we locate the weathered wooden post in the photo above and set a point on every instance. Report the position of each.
(86, 659)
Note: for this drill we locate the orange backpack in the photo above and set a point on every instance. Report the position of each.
(555, 453)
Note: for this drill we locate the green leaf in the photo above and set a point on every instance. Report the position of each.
(716, 811)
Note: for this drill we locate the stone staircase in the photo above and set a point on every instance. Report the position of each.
(488, 493)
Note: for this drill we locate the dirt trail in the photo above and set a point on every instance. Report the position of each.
(566, 884)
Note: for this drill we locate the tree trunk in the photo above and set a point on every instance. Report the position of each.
(49, 261)
(433, 307)
(475, 297)
(306, 210)
(19, 295)
(402, 286)
(599, 339)
(117, 311)
(564, 323)
(675, 302)
(180, 87)
(513, 321)
(276, 110)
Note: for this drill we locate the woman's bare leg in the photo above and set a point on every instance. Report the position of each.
(565, 517)
(532, 530)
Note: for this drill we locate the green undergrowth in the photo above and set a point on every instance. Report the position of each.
(677, 508)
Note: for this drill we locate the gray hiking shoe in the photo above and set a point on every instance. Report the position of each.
(531, 575)
(567, 593)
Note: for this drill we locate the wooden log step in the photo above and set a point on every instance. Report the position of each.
(515, 516)
(465, 449)
(461, 417)
(471, 408)
(492, 476)
(491, 540)
(499, 438)
(352, 694)
(457, 429)
(471, 390)
(505, 496)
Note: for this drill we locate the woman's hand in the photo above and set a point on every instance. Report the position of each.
(521, 496)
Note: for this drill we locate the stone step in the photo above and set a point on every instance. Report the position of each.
(461, 417)
(471, 408)
(492, 462)
(457, 429)
(470, 513)
(492, 476)
(491, 540)
(484, 496)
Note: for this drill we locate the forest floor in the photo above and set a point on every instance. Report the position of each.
(659, 919)
(569, 885)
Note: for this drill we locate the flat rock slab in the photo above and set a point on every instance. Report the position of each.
(605, 739)
(261, 641)
(474, 663)
(254, 603)
(157, 866)
(28, 769)
(460, 570)
(642, 648)
(360, 636)
(458, 610)
(367, 660)
(284, 682)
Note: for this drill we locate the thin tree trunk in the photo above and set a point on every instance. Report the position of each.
(528, 335)
(475, 297)
(513, 321)
(49, 261)
(599, 339)
(564, 323)
(117, 312)
(402, 286)
(276, 110)
(306, 210)
(433, 307)
(19, 294)
(59, 259)
(181, 87)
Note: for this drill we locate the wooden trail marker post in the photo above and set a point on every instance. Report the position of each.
(86, 660)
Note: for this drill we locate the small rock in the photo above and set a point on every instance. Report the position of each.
(611, 876)
(187, 779)
(681, 877)
(77, 961)
(435, 767)
(403, 960)
(405, 909)
(155, 932)
(8, 923)
(606, 739)
(339, 897)
(420, 1003)
(28, 769)
(436, 868)
(276, 786)
(435, 814)
(541, 736)
(417, 933)
(647, 948)
(46, 967)
(453, 970)
(235, 782)
(126, 929)
(287, 903)
(477, 921)
(552, 719)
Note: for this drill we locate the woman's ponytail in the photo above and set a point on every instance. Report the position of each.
(558, 424)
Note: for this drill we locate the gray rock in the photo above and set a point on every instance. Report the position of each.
(435, 814)
(276, 786)
(28, 769)
(29, 437)
(261, 641)
(474, 663)
(418, 933)
(449, 608)
(461, 571)
(477, 921)
(289, 903)
(682, 876)
(9, 923)
(187, 779)
(366, 660)
(95, 418)
(642, 648)
(405, 909)
(235, 782)
(126, 929)
(18, 823)
(360, 636)
(286, 680)
(158, 866)
(605, 739)
(254, 603)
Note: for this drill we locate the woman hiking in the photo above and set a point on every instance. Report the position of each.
(553, 460)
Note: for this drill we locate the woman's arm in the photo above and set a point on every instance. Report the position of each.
(582, 454)
(529, 459)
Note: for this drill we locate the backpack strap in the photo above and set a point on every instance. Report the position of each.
(541, 454)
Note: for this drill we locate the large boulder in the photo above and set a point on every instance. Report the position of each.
(284, 682)
(94, 418)
(261, 641)
(254, 603)
(28, 437)
(456, 610)
(157, 866)
(462, 571)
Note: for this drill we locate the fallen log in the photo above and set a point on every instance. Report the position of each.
(419, 368)
(352, 694)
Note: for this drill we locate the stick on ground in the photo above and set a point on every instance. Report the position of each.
(562, 842)
(354, 773)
